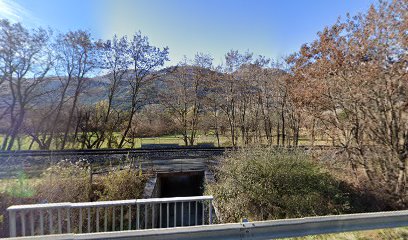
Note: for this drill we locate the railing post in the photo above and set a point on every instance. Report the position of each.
(41, 222)
(182, 214)
(113, 219)
(168, 213)
(23, 222)
(161, 217)
(59, 221)
(175, 214)
(105, 221)
(137, 216)
(130, 217)
(152, 215)
(32, 223)
(97, 219)
(196, 213)
(69, 220)
(12, 221)
(145, 217)
(121, 218)
(189, 213)
(202, 212)
(89, 219)
(80, 220)
(210, 212)
(51, 228)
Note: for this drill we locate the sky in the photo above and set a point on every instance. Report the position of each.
(273, 28)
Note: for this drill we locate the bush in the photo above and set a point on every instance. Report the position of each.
(122, 184)
(65, 182)
(262, 184)
(70, 182)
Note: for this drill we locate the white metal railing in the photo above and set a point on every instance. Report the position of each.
(146, 213)
(284, 228)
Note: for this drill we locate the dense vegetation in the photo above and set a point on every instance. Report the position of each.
(262, 184)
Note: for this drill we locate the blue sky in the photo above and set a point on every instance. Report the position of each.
(268, 27)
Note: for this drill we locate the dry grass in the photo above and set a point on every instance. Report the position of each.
(386, 234)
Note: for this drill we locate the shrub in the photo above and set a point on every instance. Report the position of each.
(263, 184)
(65, 182)
(122, 184)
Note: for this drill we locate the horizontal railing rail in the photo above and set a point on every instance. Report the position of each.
(263, 229)
(146, 213)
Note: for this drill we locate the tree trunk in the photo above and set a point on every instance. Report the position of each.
(15, 129)
(71, 114)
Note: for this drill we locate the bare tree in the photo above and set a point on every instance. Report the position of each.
(184, 92)
(145, 60)
(77, 57)
(233, 61)
(116, 60)
(24, 62)
(212, 101)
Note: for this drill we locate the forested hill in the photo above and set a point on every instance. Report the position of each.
(95, 90)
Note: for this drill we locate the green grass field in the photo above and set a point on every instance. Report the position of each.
(25, 141)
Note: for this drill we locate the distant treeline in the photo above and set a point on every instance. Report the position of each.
(70, 91)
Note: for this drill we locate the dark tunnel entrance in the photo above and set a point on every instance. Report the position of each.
(181, 184)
